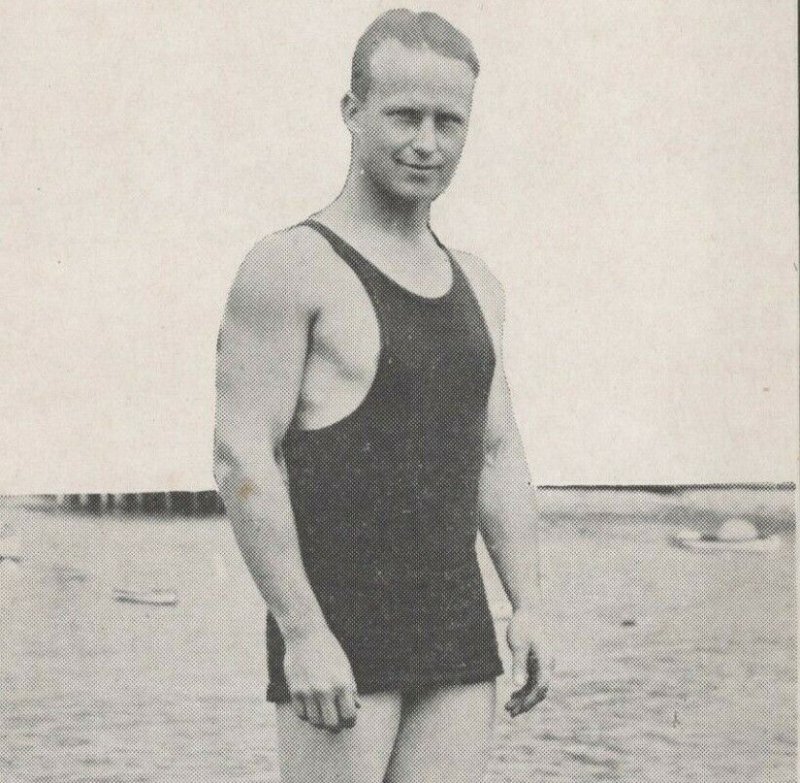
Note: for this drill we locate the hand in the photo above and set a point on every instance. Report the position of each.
(532, 663)
(321, 681)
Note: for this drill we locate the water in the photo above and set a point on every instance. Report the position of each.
(672, 665)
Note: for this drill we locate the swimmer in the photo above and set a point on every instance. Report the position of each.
(365, 436)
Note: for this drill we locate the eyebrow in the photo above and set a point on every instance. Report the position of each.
(403, 107)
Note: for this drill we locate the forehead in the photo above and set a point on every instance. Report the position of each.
(419, 75)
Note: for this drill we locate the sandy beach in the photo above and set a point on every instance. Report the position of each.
(672, 665)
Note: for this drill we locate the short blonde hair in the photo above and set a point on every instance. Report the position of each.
(422, 30)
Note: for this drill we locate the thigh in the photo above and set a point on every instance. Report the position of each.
(445, 735)
(359, 755)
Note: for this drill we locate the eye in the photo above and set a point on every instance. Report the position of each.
(407, 116)
(449, 122)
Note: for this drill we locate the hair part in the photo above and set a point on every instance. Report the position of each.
(423, 30)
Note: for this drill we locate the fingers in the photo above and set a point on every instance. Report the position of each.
(332, 709)
(299, 705)
(522, 702)
(313, 711)
(533, 689)
(346, 704)
(328, 711)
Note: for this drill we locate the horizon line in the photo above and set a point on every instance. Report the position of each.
(656, 488)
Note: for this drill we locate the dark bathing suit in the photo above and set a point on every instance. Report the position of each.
(385, 500)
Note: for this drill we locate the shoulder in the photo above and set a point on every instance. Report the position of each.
(284, 257)
(488, 289)
(280, 271)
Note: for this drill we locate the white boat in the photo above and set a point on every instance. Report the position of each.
(9, 543)
(692, 540)
(152, 597)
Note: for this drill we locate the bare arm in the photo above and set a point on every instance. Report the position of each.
(509, 522)
(261, 353)
(510, 527)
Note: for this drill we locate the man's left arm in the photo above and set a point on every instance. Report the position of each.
(509, 525)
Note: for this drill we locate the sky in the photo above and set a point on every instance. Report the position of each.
(630, 177)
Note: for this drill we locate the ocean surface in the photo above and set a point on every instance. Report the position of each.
(671, 665)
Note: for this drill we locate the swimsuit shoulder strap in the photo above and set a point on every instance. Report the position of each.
(367, 272)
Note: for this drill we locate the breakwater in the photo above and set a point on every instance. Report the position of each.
(190, 504)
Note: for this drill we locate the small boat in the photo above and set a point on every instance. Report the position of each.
(151, 597)
(693, 540)
(9, 543)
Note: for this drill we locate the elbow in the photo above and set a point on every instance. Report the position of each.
(242, 476)
(224, 469)
(494, 449)
(503, 444)
(235, 488)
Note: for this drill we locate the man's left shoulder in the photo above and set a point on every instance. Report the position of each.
(487, 287)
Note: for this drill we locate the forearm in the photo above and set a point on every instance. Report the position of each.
(509, 524)
(261, 517)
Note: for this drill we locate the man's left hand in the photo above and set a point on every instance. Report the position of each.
(532, 663)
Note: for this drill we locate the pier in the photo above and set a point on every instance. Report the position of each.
(165, 504)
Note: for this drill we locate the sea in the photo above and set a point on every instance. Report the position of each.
(671, 665)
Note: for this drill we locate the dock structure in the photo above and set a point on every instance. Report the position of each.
(164, 504)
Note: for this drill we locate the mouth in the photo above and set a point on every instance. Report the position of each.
(419, 166)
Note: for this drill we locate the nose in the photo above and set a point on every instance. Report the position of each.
(425, 139)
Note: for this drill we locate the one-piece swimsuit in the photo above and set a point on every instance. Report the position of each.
(386, 500)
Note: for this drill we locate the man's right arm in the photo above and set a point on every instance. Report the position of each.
(261, 353)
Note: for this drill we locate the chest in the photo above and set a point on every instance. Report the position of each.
(431, 335)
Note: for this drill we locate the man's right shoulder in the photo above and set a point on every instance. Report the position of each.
(291, 250)
(283, 266)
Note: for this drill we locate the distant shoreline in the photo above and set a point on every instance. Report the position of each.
(658, 489)
(771, 506)
(672, 489)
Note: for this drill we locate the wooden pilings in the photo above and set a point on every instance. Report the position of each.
(158, 504)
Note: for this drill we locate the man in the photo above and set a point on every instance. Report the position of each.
(364, 436)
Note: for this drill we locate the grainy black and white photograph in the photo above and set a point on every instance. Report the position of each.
(398, 394)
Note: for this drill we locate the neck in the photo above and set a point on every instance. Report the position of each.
(364, 201)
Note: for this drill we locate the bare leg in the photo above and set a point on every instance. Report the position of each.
(307, 754)
(445, 736)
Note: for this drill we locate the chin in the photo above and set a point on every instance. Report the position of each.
(418, 194)
(415, 191)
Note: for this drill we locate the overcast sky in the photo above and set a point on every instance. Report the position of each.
(630, 177)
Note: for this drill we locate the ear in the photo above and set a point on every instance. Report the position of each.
(351, 107)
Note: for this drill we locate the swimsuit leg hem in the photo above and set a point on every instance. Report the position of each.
(278, 692)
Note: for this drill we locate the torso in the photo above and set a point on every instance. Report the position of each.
(384, 456)
(344, 340)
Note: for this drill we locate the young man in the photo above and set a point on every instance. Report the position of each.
(364, 436)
